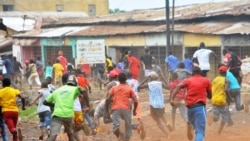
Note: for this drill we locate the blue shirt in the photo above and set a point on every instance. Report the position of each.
(48, 71)
(156, 98)
(233, 81)
(188, 64)
(121, 66)
(172, 62)
(9, 66)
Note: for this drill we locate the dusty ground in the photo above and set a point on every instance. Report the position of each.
(239, 131)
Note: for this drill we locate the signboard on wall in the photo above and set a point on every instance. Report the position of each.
(90, 51)
(54, 42)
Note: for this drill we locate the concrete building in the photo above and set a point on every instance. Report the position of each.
(91, 7)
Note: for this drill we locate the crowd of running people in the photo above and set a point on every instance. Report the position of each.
(67, 103)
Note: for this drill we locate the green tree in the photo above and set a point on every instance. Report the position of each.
(116, 10)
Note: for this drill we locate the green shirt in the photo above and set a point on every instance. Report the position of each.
(63, 98)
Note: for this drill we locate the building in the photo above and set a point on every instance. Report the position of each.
(219, 25)
(92, 7)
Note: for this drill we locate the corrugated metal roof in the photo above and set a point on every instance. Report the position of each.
(209, 27)
(57, 32)
(18, 23)
(24, 42)
(110, 30)
(6, 42)
(236, 28)
(181, 13)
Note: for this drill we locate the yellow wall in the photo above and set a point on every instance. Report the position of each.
(193, 40)
(130, 40)
(102, 6)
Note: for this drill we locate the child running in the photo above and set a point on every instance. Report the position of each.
(44, 111)
(156, 100)
(219, 88)
(134, 85)
(8, 97)
(179, 100)
(51, 87)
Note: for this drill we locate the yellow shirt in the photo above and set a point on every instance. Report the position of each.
(58, 69)
(32, 67)
(109, 63)
(218, 91)
(8, 97)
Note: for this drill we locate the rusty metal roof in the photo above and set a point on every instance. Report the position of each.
(6, 42)
(209, 27)
(236, 28)
(110, 30)
(181, 13)
(24, 42)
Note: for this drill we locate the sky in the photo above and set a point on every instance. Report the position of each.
(129, 5)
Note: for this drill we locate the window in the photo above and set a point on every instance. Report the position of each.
(92, 10)
(59, 8)
(8, 8)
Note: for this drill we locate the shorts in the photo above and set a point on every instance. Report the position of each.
(147, 72)
(18, 77)
(78, 117)
(45, 119)
(156, 112)
(220, 110)
(58, 79)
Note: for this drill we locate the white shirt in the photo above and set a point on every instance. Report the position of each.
(2, 67)
(51, 88)
(203, 58)
(100, 108)
(77, 105)
(41, 107)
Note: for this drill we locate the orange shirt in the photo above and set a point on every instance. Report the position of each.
(8, 97)
(121, 94)
(82, 81)
(86, 68)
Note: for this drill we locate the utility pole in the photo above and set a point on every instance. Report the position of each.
(167, 27)
(173, 8)
(24, 18)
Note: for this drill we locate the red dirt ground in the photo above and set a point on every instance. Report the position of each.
(239, 131)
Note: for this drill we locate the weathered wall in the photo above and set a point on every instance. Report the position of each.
(102, 6)
(193, 40)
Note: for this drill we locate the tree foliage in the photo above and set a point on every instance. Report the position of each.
(116, 10)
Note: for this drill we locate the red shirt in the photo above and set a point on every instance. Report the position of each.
(121, 94)
(227, 57)
(197, 87)
(117, 70)
(63, 62)
(181, 93)
(82, 81)
(135, 66)
(86, 68)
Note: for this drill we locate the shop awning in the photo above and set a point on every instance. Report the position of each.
(5, 43)
(24, 42)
